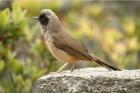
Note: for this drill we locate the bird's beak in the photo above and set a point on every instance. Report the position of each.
(36, 18)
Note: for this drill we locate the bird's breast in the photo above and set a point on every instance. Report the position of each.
(59, 53)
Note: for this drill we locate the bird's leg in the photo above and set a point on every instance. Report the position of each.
(73, 67)
(62, 67)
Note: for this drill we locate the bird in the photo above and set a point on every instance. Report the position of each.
(62, 45)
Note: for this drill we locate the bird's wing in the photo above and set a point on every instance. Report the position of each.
(70, 45)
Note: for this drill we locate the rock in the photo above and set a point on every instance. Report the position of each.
(89, 80)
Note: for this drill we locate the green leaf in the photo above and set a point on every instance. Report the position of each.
(17, 12)
(2, 65)
(17, 66)
(4, 18)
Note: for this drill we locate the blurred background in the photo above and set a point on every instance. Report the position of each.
(110, 30)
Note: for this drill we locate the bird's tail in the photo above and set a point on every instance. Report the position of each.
(102, 63)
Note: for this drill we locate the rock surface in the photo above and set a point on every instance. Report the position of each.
(89, 80)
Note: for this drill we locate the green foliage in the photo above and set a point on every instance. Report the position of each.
(19, 74)
(4, 18)
(2, 65)
(12, 25)
(113, 36)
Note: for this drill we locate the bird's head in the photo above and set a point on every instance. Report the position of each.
(48, 20)
(46, 16)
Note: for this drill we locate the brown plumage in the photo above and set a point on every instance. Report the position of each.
(74, 48)
(61, 44)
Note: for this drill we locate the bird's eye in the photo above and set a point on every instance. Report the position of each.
(44, 20)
